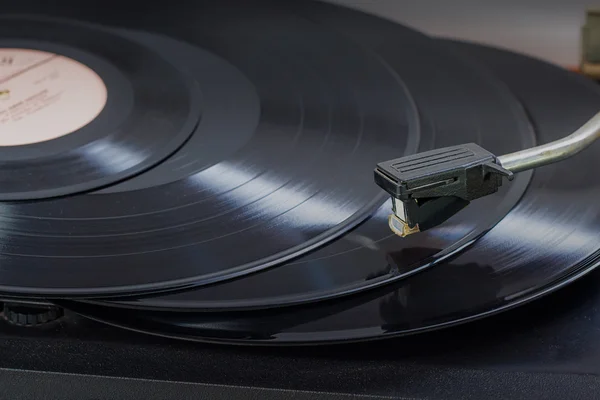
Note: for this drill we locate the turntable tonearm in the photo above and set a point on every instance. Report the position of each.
(428, 188)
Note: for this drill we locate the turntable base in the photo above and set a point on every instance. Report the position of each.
(547, 349)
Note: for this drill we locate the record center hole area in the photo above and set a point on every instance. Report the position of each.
(44, 96)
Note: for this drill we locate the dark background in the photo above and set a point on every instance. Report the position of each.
(547, 29)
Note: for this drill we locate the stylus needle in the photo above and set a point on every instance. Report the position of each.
(428, 188)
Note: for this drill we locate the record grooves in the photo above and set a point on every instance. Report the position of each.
(210, 177)
(302, 280)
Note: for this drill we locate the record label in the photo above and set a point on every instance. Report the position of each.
(44, 96)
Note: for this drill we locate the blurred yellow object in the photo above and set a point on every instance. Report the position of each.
(590, 45)
(591, 70)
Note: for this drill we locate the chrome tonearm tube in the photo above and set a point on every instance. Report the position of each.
(428, 188)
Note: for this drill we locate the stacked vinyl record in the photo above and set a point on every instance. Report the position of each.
(205, 171)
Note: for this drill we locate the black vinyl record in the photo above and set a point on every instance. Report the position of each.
(141, 122)
(360, 259)
(292, 174)
(548, 240)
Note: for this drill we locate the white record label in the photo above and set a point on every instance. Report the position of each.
(44, 96)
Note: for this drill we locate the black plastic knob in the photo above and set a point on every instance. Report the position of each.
(34, 315)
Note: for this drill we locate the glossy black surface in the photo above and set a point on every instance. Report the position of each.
(144, 121)
(548, 240)
(293, 173)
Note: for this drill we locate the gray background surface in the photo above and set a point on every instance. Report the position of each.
(547, 29)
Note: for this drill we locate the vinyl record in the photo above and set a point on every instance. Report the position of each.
(317, 110)
(82, 108)
(549, 239)
(359, 260)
